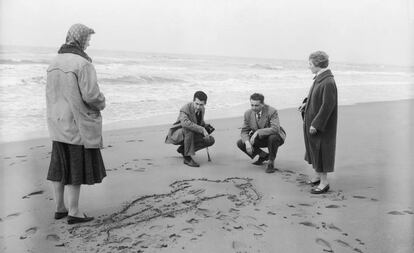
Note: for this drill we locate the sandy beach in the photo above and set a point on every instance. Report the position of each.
(151, 202)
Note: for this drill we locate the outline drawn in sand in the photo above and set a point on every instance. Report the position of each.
(124, 227)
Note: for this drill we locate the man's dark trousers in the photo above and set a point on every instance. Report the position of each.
(194, 141)
(272, 142)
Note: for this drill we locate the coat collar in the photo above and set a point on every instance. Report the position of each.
(323, 75)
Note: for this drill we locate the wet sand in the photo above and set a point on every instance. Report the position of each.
(152, 202)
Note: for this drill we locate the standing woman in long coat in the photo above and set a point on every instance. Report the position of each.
(73, 103)
(320, 114)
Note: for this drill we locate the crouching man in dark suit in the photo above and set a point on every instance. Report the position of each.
(190, 131)
(261, 129)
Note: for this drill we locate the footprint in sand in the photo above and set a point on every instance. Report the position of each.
(202, 212)
(12, 215)
(188, 230)
(258, 235)
(308, 224)
(255, 227)
(174, 236)
(239, 246)
(28, 232)
(332, 206)
(359, 197)
(192, 221)
(33, 193)
(359, 241)
(251, 218)
(333, 227)
(325, 244)
(343, 244)
(52, 237)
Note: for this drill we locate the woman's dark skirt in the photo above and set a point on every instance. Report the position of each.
(75, 165)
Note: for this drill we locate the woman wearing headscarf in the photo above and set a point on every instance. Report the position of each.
(320, 114)
(74, 102)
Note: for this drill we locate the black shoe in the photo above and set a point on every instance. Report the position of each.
(313, 183)
(318, 190)
(190, 162)
(270, 168)
(74, 220)
(180, 150)
(60, 215)
(261, 160)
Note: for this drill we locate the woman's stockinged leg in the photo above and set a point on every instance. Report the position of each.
(324, 179)
(58, 190)
(73, 197)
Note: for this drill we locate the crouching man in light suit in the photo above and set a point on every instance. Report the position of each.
(190, 131)
(261, 128)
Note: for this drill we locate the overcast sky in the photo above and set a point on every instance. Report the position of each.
(361, 31)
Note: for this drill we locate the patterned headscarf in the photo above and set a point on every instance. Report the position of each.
(76, 41)
(78, 34)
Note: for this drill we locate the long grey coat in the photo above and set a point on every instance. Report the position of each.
(321, 112)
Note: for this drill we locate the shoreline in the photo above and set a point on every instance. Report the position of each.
(169, 119)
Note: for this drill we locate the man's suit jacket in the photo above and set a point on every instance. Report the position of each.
(187, 119)
(267, 125)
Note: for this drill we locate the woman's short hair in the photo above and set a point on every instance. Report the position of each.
(319, 59)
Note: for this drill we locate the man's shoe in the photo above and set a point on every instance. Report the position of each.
(261, 160)
(270, 168)
(74, 220)
(60, 215)
(190, 162)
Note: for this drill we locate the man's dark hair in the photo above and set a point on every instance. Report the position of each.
(257, 96)
(200, 95)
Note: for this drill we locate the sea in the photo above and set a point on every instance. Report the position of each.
(149, 88)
